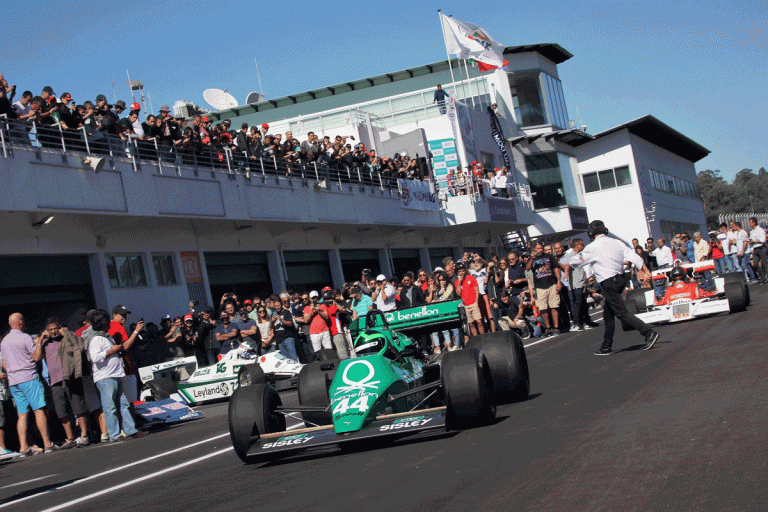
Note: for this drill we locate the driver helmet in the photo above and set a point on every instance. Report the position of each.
(371, 341)
(678, 274)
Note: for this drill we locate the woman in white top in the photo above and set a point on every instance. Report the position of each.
(266, 329)
(443, 291)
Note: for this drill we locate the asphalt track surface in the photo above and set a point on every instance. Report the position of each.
(679, 427)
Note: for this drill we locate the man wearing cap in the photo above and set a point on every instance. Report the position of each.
(361, 304)
(107, 118)
(226, 333)
(119, 107)
(606, 257)
(45, 113)
(316, 315)
(249, 331)
(117, 328)
(384, 294)
(264, 130)
(138, 129)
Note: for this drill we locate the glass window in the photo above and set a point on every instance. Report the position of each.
(591, 184)
(125, 271)
(488, 160)
(622, 176)
(164, 271)
(527, 99)
(606, 179)
(545, 179)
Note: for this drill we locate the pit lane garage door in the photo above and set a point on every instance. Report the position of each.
(43, 286)
(404, 260)
(354, 261)
(246, 274)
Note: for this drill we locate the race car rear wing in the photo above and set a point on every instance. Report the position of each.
(698, 267)
(420, 317)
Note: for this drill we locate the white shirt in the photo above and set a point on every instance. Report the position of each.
(137, 128)
(501, 180)
(606, 256)
(479, 276)
(22, 110)
(741, 237)
(757, 235)
(564, 260)
(103, 366)
(732, 248)
(663, 256)
(723, 239)
(389, 304)
(700, 250)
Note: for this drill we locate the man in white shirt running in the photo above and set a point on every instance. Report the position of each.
(606, 257)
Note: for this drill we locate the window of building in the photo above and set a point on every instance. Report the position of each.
(603, 180)
(558, 115)
(673, 184)
(545, 180)
(527, 98)
(126, 270)
(164, 271)
(489, 161)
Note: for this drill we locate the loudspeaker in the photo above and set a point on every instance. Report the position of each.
(97, 164)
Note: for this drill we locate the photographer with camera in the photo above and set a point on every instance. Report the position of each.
(384, 294)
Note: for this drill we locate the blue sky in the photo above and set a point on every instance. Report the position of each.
(698, 66)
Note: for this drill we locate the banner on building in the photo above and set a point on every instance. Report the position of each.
(467, 133)
(190, 262)
(418, 195)
(579, 219)
(444, 156)
(502, 210)
(498, 136)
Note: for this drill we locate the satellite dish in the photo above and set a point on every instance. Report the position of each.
(220, 100)
(254, 97)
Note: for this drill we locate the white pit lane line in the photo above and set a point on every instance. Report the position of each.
(110, 471)
(137, 480)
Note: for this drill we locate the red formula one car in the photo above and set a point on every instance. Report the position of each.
(686, 297)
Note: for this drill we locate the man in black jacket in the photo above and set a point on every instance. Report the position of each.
(410, 294)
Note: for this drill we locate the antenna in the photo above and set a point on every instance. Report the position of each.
(219, 99)
(151, 108)
(582, 126)
(258, 75)
(114, 92)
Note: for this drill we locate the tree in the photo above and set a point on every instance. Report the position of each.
(748, 193)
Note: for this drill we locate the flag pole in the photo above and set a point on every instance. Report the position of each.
(442, 29)
(469, 86)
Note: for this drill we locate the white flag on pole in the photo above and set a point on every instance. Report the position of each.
(469, 41)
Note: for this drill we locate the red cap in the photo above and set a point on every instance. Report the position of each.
(206, 120)
(474, 163)
(495, 168)
(247, 301)
(265, 125)
(326, 289)
(135, 106)
(188, 317)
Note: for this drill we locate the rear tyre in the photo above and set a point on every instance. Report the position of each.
(505, 354)
(326, 354)
(314, 383)
(737, 295)
(158, 389)
(252, 414)
(638, 297)
(250, 375)
(467, 387)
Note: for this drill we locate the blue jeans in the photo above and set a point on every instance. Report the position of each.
(748, 272)
(436, 337)
(732, 262)
(288, 349)
(111, 391)
(720, 266)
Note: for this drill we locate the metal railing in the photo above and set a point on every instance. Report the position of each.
(164, 156)
(475, 187)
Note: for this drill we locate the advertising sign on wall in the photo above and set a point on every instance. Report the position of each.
(418, 195)
(444, 156)
(502, 210)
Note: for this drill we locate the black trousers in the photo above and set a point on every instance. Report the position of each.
(760, 254)
(614, 308)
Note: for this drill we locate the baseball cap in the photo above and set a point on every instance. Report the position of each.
(166, 317)
(439, 269)
(120, 103)
(165, 108)
(49, 90)
(120, 310)
(313, 293)
(135, 106)
(227, 122)
(244, 125)
(495, 168)
(325, 289)
(355, 290)
(101, 97)
(206, 120)
(247, 301)
(188, 317)
(66, 96)
(381, 277)
(265, 125)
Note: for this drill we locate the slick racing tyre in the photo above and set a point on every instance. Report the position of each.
(252, 413)
(734, 278)
(250, 375)
(737, 294)
(509, 367)
(638, 297)
(157, 389)
(314, 382)
(467, 387)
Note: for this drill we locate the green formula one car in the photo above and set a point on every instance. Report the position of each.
(390, 390)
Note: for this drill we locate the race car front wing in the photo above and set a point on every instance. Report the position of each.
(294, 441)
(684, 311)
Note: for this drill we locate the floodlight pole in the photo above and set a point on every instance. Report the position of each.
(129, 85)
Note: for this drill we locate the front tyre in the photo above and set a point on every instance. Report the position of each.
(467, 387)
(252, 413)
